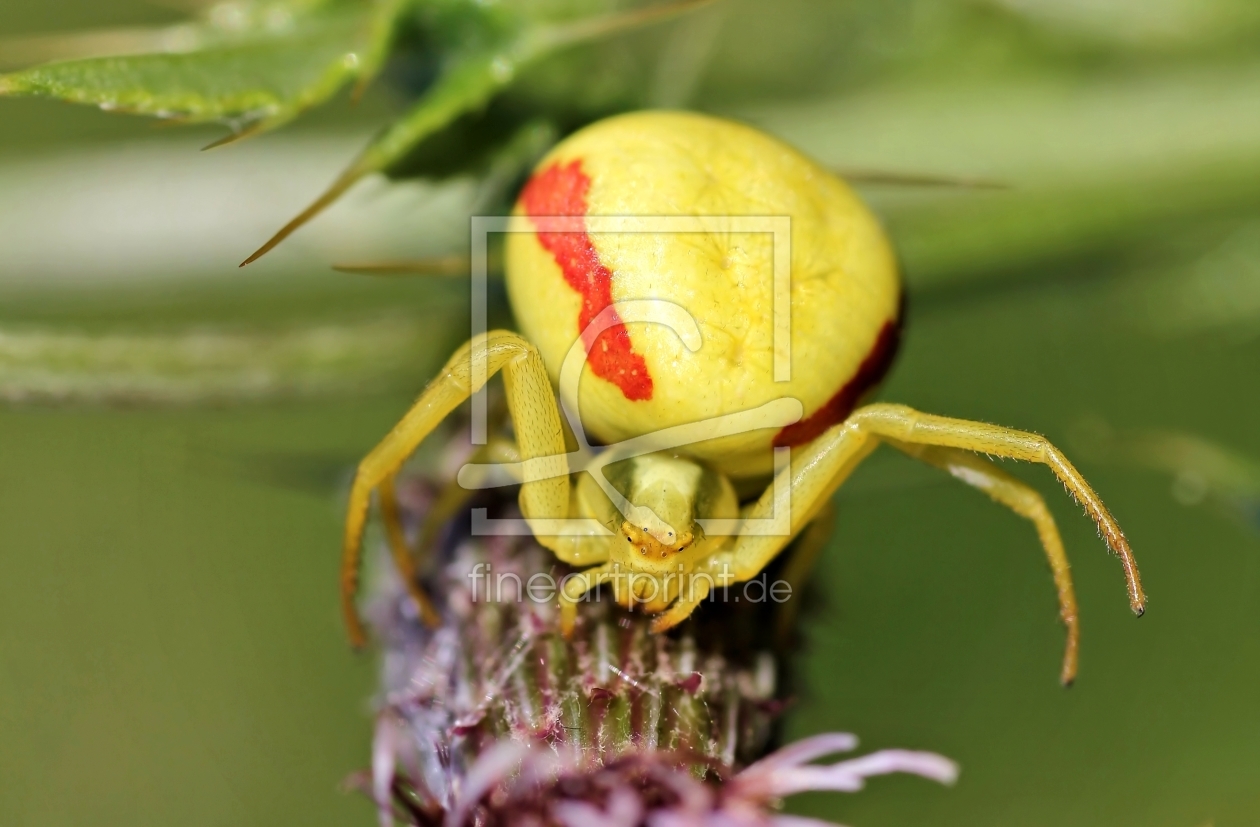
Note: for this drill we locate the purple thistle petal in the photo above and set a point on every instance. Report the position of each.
(807, 750)
(849, 776)
(693, 797)
(582, 814)
(800, 821)
(671, 818)
(625, 807)
(624, 810)
(926, 764)
(493, 766)
(387, 741)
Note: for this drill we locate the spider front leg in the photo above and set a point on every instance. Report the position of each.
(451, 497)
(574, 590)
(819, 468)
(539, 436)
(697, 586)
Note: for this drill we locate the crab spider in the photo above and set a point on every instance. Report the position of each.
(724, 356)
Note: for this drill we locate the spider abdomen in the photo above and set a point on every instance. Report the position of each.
(842, 279)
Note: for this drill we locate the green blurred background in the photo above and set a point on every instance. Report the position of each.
(171, 650)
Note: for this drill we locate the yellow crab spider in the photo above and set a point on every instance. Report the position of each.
(713, 306)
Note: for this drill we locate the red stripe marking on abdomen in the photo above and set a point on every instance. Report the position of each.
(560, 190)
(838, 407)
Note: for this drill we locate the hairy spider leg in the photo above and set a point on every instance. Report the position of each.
(450, 499)
(823, 465)
(397, 540)
(575, 588)
(699, 584)
(1019, 497)
(539, 437)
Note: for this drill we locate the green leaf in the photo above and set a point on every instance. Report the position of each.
(467, 83)
(255, 77)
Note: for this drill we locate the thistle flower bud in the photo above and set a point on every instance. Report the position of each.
(494, 718)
